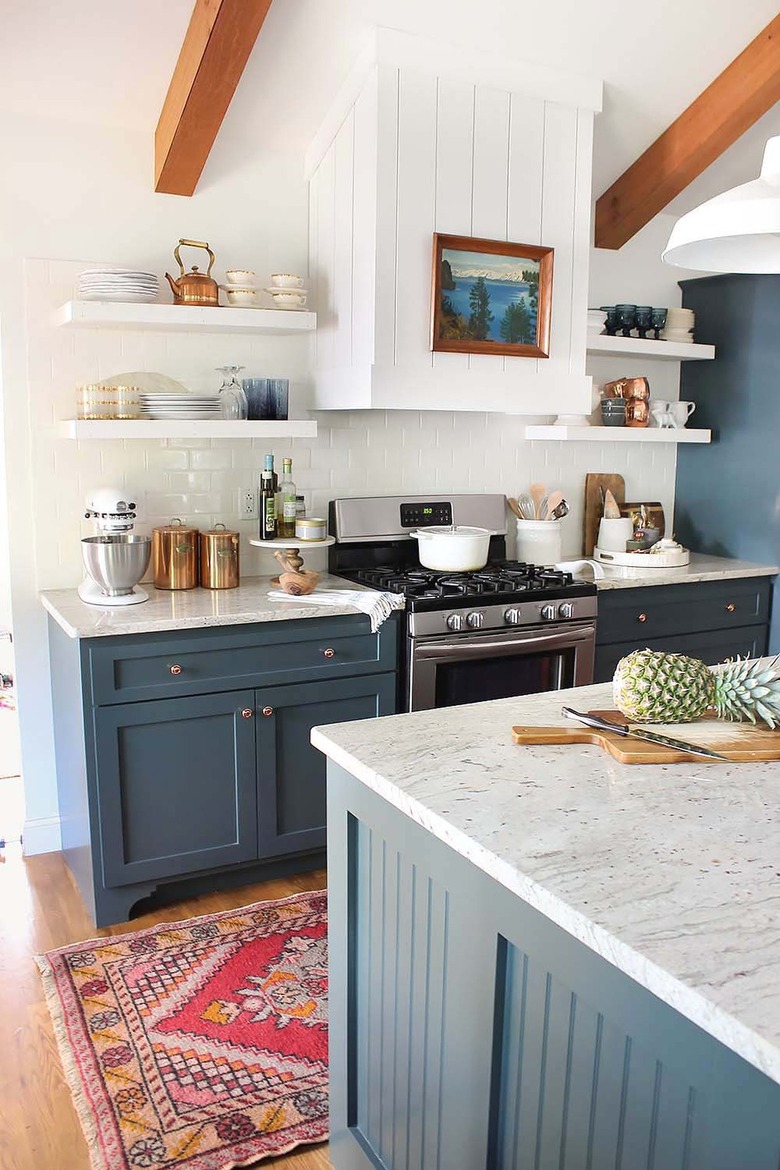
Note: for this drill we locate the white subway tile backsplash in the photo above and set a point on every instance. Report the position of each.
(212, 459)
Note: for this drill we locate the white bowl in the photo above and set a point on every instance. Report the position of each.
(241, 296)
(240, 276)
(289, 297)
(286, 280)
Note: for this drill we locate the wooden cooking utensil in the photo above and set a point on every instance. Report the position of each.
(514, 507)
(596, 486)
(553, 500)
(742, 743)
(537, 491)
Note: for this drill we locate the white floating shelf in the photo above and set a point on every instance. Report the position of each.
(207, 319)
(602, 345)
(295, 542)
(618, 434)
(296, 428)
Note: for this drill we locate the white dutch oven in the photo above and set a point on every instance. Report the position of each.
(457, 549)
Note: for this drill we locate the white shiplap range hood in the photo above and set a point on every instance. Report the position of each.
(428, 138)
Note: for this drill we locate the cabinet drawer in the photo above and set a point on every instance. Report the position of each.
(666, 610)
(711, 646)
(201, 661)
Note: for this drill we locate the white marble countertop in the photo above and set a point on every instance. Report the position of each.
(670, 872)
(183, 609)
(701, 568)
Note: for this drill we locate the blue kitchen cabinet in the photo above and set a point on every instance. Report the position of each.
(183, 758)
(710, 620)
(176, 786)
(291, 774)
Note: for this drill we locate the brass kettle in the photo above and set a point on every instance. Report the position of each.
(194, 288)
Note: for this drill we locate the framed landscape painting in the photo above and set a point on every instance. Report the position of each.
(490, 296)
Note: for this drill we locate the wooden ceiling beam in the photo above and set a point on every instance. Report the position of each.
(737, 98)
(219, 39)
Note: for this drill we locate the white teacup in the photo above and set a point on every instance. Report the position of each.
(680, 412)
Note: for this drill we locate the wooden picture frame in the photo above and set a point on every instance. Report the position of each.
(466, 323)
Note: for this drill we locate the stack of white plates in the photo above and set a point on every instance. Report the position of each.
(596, 321)
(117, 284)
(679, 326)
(179, 406)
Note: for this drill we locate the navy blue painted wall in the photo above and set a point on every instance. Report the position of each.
(728, 492)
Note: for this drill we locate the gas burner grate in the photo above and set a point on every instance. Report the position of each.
(499, 578)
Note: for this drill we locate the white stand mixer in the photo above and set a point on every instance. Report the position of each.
(115, 559)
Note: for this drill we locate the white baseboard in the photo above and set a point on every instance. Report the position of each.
(41, 836)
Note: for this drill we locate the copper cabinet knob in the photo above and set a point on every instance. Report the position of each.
(268, 710)
(730, 607)
(246, 712)
(175, 669)
(642, 617)
(329, 653)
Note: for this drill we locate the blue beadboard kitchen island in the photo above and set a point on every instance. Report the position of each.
(542, 959)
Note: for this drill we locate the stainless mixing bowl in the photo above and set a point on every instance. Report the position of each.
(116, 563)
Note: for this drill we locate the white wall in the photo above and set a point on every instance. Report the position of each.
(85, 192)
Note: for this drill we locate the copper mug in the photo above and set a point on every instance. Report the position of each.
(637, 395)
(219, 558)
(175, 556)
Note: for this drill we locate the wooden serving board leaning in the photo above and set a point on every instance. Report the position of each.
(741, 742)
(596, 485)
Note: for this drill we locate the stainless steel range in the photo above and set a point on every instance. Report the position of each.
(508, 629)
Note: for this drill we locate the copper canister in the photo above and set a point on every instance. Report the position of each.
(175, 556)
(219, 558)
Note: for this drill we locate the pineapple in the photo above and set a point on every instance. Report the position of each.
(654, 687)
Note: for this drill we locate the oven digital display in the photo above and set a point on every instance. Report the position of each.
(425, 515)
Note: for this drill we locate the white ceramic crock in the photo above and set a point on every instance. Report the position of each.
(458, 549)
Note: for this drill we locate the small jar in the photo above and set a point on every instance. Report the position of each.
(300, 507)
(310, 528)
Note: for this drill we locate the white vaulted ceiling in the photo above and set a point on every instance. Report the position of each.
(110, 62)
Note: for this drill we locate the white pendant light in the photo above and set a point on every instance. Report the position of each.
(738, 231)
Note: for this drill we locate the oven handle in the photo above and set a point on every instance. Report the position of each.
(504, 645)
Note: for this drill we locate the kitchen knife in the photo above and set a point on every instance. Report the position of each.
(678, 745)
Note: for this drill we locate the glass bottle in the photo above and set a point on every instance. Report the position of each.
(268, 465)
(232, 399)
(267, 509)
(285, 520)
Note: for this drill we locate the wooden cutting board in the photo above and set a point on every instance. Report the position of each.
(595, 487)
(741, 742)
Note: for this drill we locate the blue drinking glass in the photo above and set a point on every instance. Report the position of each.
(279, 394)
(258, 397)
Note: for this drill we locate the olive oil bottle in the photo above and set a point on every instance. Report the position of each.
(267, 509)
(285, 520)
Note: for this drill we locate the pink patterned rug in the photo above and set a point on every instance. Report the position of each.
(197, 1045)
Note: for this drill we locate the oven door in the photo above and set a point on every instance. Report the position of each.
(446, 672)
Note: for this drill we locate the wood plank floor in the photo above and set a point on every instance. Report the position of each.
(40, 909)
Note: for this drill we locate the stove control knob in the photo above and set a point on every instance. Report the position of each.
(548, 613)
(454, 622)
(512, 617)
(475, 620)
(566, 610)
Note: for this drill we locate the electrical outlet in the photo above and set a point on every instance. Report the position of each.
(247, 504)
